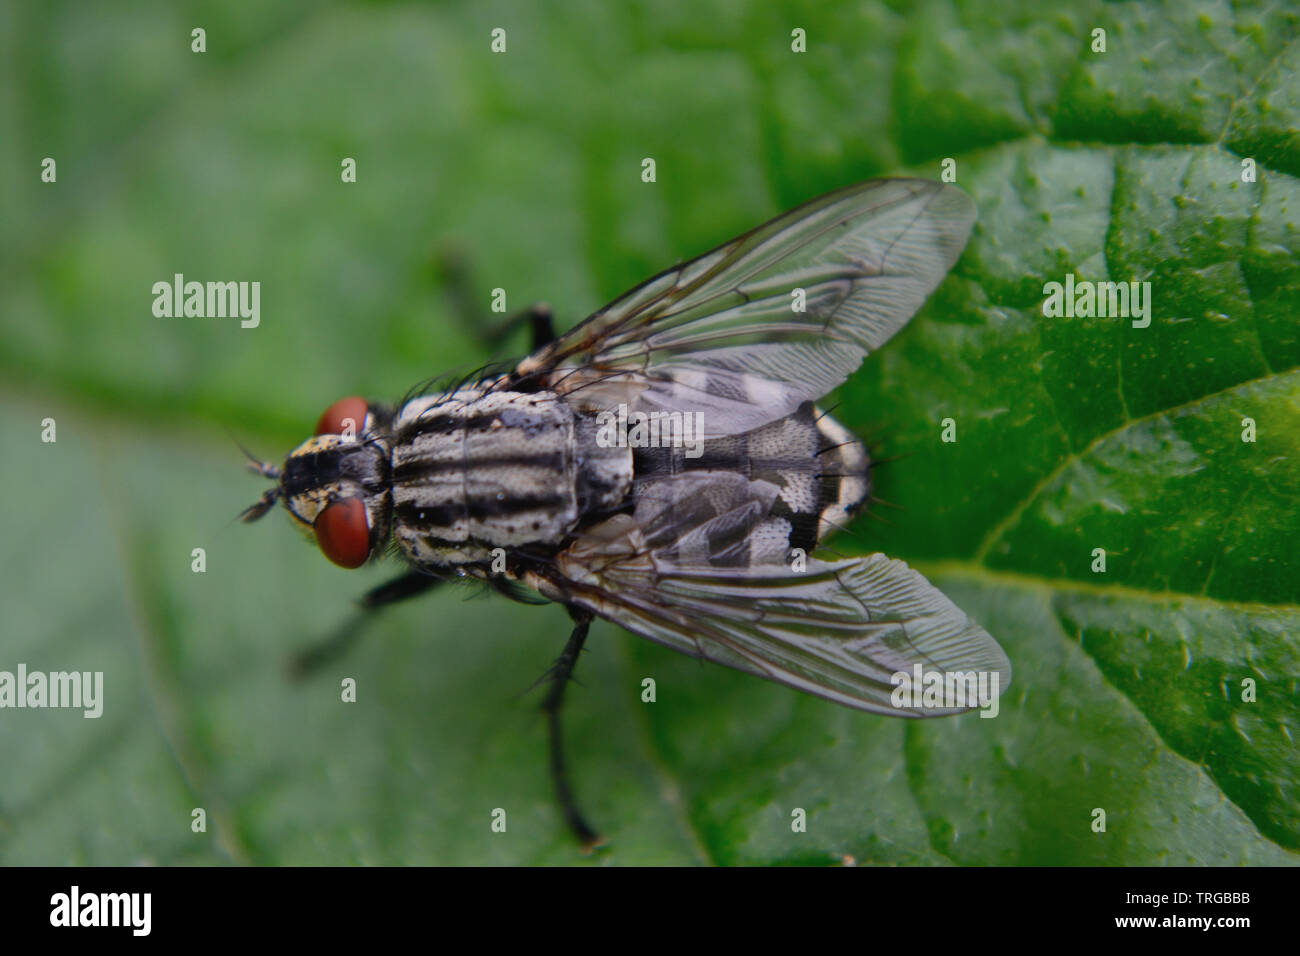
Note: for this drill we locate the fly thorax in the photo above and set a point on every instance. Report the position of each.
(484, 469)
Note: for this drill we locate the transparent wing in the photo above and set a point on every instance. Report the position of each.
(688, 571)
(723, 334)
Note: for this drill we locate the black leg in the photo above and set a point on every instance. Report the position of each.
(314, 656)
(543, 325)
(538, 317)
(559, 676)
(519, 593)
(453, 270)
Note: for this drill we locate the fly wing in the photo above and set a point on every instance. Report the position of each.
(779, 316)
(689, 570)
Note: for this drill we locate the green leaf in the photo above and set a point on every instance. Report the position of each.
(1162, 690)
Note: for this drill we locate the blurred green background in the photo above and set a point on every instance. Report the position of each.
(1073, 434)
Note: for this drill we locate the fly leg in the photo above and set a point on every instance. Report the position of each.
(315, 656)
(543, 325)
(453, 270)
(559, 676)
(538, 318)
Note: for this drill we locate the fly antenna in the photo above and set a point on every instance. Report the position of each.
(261, 506)
(263, 468)
(266, 470)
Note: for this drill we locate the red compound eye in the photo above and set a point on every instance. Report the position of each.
(343, 533)
(335, 418)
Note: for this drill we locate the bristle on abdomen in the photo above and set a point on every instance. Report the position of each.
(845, 475)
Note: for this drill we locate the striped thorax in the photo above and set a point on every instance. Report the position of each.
(485, 468)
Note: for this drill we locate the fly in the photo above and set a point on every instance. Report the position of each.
(517, 479)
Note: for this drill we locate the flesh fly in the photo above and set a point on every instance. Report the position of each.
(548, 479)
